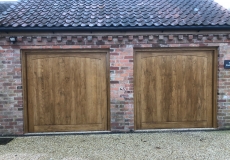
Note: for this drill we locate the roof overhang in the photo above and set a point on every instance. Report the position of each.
(118, 28)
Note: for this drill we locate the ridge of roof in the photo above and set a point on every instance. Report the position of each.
(114, 13)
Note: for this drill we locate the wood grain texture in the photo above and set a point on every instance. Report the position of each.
(67, 91)
(174, 88)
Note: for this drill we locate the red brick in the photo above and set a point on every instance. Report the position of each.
(99, 38)
(7, 84)
(56, 47)
(120, 38)
(8, 120)
(17, 98)
(69, 38)
(171, 37)
(220, 36)
(6, 47)
(128, 57)
(39, 39)
(114, 68)
(105, 46)
(114, 82)
(130, 38)
(79, 38)
(140, 38)
(110, 38)
(114, 54)
(9, 127)
(95, 46)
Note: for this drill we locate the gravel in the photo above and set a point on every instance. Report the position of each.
(171, 145)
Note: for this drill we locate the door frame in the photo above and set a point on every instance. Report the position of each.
(214, 78)
(25, 52)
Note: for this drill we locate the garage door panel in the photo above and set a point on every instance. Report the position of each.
(64, 128)
(159, 53)
(40, 55)
(38, 92)
(93, 83)
(62, 89)
(173, 87)
(169, 125)
(67, 91)
(147, 85)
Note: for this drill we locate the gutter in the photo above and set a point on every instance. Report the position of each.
(118, 28)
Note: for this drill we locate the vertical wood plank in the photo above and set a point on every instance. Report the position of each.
(200, 90)
(48, 92)
(57, 90)
(73, 90)
(145, 99)
(83, 91)
(78, 98)
(68, 90)
(169, 88)
(61, 92)
(183, 97)
(194, 88)
(152, 86)
(159, 89)
(100, 89)
(209, 89)
(32, 101)
(188, 88)
(164, 111)
(205, 85)
(90, 77)
(173, 106)
(39, 114)
(103, 96)
(180, 83)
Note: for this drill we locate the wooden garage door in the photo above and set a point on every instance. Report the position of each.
(66, 91)
(174, 89)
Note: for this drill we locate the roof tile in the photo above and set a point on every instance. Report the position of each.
(97, 13)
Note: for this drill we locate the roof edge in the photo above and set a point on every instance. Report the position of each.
(118, 28)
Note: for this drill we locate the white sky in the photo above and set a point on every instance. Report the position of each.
(224, 3)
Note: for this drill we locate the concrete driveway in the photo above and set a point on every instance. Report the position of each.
(211, 145)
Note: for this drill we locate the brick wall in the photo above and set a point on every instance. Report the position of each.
(121, 71)
(121, 76)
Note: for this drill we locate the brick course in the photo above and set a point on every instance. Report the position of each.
(121, 71)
